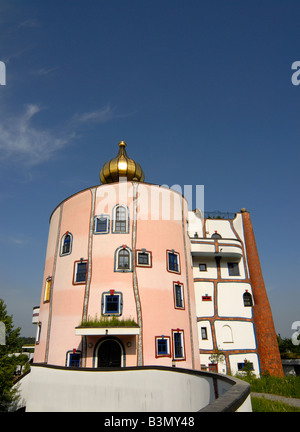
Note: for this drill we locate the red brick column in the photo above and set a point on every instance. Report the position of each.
(267, 345)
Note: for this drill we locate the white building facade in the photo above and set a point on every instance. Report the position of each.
(223, 293)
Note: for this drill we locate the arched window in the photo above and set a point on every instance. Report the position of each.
(120, 219)
(215, 235)
(247, 298)
(123, 259)
(66, 244)
(227, 334)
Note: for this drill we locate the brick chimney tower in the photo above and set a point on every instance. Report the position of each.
(267, 345)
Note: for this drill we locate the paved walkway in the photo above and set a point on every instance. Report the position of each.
(289, 401)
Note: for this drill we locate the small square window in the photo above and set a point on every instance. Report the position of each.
(162, 346)
(112, 303)
(202, 267)
(74, 360)
(233, 269)
(101, 224)
(80, 272)
(248, 365)
(144, 258)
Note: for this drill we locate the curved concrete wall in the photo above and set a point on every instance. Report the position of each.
(146, 389)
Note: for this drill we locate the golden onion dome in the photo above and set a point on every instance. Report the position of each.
(121, 166)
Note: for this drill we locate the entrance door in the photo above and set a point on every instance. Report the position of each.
(109, 354)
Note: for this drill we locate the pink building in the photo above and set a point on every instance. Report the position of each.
(132, 278)
(118, 284)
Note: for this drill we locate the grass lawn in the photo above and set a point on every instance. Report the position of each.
(266, 405)
(288, 386)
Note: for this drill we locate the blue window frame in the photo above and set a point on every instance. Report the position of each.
(81, 271)
(178, 345)
(178, 294)
(66, 244)
(162, 346)
(74, 360)
(123, 259)
(173, 261)
(246, 364)
(101, 224)
(112, 303)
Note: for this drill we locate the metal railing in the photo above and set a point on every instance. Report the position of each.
(216, 214)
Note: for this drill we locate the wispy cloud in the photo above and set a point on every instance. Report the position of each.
(44, 71)
(98, 116)
(29, 23)
(21, 141)
(103, 115)
(14, 240)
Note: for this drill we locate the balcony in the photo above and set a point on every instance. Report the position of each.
(112, 326)
(229, 248)
(104, 331)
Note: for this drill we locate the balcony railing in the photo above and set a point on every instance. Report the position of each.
(216, 214)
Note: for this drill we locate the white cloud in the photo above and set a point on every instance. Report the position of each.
(44, 71)
(20, 141)
(103, 115)
(97, 116)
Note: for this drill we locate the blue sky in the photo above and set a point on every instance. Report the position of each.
(201, 92)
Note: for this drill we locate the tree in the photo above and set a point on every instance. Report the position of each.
(9, 361)
(287, 348)
(217, 356)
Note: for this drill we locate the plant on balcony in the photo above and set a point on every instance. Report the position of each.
(111, 321)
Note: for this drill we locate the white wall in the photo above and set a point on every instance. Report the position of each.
(234, 359)
(230, 300)
(222, 226)
(204, 308)
(243, 336)
(115, 391)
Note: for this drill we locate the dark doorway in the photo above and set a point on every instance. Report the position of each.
(109, 354)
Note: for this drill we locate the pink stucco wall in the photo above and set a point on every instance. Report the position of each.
(155, 284)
